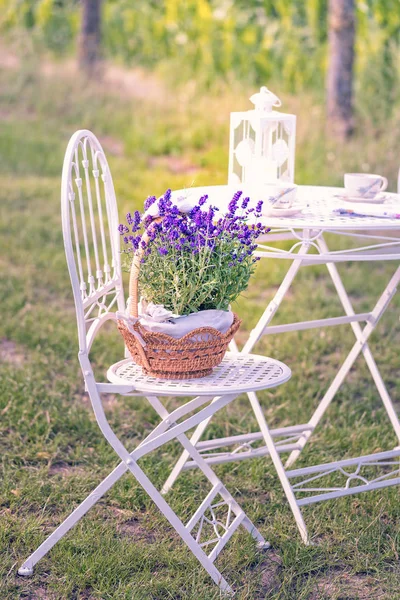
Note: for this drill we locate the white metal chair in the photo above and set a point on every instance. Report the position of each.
(91, 238)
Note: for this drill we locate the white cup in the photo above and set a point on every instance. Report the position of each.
(279, 195)
(364, 185)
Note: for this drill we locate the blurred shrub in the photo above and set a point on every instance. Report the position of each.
(53, 23)
(253, 41)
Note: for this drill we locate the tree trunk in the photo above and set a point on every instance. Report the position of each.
(90, 37)
(341, 26)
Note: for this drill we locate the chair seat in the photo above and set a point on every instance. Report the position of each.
(237, 373)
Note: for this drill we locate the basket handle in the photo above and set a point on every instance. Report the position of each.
(135, 270)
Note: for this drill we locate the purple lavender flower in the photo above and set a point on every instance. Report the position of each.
(162, 206)
(163, 251)
(245, 202)
(210, 215)
(147, 221)
(194, 211)
(123, 229)
(259, 206)
(233, 204)
(203, 200)
(173, 235)
(149, 202)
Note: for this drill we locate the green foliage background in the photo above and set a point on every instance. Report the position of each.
(253, 41)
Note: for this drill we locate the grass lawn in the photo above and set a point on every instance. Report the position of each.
(53, 453)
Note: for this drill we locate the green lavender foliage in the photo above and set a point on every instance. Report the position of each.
(187, 282)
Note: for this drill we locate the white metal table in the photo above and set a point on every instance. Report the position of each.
(371, 239)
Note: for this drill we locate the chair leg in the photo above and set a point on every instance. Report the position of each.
(179, 527)
(184, 457)
(235, 515)
(27, 568)
(193, 453)
(272, 451)
(225, 494)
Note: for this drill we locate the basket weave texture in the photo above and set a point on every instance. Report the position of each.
(191, 356)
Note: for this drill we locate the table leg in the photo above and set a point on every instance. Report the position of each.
(362, 336)
(275, 303)
(346, 303)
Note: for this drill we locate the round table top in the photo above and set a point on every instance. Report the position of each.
(317, 204)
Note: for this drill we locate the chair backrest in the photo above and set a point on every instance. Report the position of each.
(91, 237)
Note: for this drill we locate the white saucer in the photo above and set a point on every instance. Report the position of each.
(380, 199)
(282, 212)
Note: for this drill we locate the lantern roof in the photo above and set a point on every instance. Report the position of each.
(264, 100)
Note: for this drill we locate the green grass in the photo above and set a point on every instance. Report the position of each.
(53, 453)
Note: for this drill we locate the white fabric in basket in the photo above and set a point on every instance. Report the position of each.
(154, 317)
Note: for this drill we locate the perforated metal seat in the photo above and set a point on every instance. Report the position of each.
(237, 373)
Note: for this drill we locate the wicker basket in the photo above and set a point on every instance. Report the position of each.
(191, 356)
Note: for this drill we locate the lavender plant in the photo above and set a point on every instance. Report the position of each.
(193, 261)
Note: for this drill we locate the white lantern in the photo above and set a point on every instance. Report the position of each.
(262, 143)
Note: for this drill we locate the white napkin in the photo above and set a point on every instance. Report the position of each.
(364, 209)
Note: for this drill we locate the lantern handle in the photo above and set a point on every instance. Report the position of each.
(265, 100)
